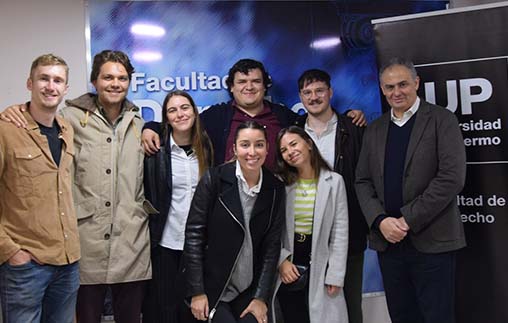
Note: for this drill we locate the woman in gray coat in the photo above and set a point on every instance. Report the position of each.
(312, 263)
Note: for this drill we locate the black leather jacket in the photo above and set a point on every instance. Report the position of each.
(214, 234)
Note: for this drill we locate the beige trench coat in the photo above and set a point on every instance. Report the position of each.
(108, 193)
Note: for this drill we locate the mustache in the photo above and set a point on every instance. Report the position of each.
(316, 101)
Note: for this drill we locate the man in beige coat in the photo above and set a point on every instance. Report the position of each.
(108, 192)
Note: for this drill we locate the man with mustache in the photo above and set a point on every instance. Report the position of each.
(339, 142)
(247, 82)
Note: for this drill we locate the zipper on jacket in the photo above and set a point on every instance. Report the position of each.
(271, 211)
(214, 309)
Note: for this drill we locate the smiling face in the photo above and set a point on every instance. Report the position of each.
(180, 114)
(295, 150)
(112, 84)
(48, 85)
(251, 149)
(316, 97)
(399, 88)
(248, 89)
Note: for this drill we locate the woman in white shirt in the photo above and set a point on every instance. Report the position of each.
(170, 178)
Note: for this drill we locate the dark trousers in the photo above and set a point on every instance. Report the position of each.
(294, 305)
(164, 297)
(419, 287)
(353, 287)
(127, 301)
(228, 312)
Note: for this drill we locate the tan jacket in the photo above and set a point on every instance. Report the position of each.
(36, 207)
(108, 192)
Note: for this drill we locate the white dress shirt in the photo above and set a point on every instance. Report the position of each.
(185, 176)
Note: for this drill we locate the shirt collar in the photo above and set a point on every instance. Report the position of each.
(172, 143)
(330, 125)
(251, 191)
(407, 114)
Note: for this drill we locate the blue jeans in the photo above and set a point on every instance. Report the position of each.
(38, 293)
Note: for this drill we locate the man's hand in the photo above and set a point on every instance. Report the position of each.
(151, 141)
(394, 230)
(332, 290)
(358, 117)
(22, 257)
(199, 307)
(14, 114)
(257, 308)
(288, 272)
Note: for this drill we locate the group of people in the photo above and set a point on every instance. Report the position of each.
(243, 213)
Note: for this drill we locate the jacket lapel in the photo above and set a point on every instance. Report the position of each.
(323, 190)
(229, 194)
(264, 200)
(65, 136)
(40, 140)
(290, 214)
(422, 117)
(381, 136)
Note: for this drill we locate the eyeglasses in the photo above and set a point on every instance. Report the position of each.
(320, 93)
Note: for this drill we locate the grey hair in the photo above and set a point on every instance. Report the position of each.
(398, 61)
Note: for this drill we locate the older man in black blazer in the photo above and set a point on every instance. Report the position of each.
(412, 165)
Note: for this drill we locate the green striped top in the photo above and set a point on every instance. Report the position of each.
(304, 205)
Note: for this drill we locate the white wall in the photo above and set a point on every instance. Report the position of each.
(29, 28)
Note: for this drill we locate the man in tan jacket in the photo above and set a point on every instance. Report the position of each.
(39, 243)
(108, 192)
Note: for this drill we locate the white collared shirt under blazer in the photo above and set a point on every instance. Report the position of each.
(329, 247)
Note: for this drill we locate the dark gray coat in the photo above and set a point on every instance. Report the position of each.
(434, 173)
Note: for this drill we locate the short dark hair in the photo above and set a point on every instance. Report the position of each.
(402, 61)
(313, 75)
(289, 174)
(244, 66)
(110, 56)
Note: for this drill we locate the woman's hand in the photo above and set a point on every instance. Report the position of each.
(199, 307)
(257, 308)
(332, 290)
(288, 272)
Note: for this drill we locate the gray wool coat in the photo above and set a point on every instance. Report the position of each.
(329, 247)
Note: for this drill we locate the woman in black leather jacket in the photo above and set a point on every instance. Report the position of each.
(170, 178)
(232, 237)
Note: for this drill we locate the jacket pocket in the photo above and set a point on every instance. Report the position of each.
(86, 209)
(29, 161)
(30, 165)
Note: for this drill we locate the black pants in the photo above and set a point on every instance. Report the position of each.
(294, 305)
(419, 287)
(164, 297)
(227, 312)
(127, 301)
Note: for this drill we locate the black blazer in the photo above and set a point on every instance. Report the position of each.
(215, 232)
